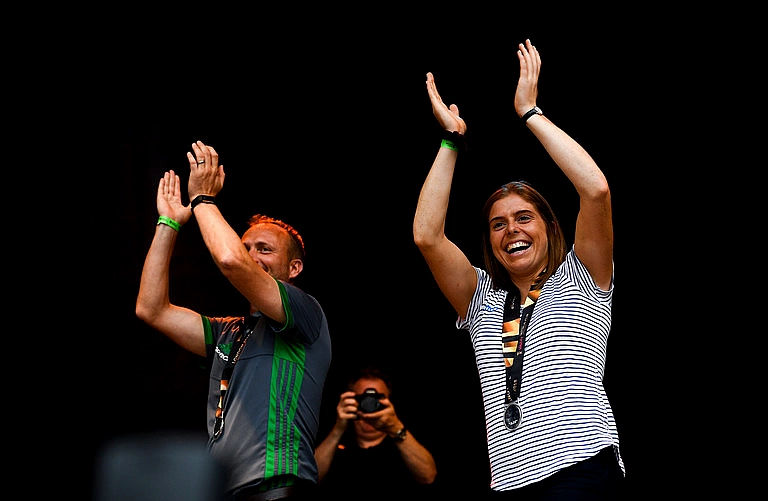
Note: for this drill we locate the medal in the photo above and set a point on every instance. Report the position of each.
(513, 416)
(515, 321)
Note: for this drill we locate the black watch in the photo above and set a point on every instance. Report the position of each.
(400, 435)
(202, 199)
(533, 111)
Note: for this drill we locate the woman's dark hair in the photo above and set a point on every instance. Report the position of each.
(556, 248)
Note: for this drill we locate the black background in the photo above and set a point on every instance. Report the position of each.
(330, 128)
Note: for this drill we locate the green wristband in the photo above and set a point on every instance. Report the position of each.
(454, 141)
(449, 144)
(169, 222)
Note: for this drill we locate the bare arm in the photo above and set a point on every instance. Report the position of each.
(346, 410)
(593, 240)
(418, 459)
(451, 269)
(225, 246)
(153, 305)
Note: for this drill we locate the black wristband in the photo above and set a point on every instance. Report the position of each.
(457, 139)
(202, 199)
(528, 114)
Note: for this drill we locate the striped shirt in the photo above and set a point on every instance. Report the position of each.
(566, 416)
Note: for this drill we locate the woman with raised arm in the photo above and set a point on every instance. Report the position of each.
(538, 312)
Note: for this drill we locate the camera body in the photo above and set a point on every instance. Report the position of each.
(369, 400)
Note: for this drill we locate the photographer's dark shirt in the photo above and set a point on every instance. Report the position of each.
(374, 473)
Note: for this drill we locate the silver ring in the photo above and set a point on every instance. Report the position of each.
(200, 162)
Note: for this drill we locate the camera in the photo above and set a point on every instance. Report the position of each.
(368, 400)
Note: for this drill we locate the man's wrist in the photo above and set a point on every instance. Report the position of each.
(400, 435)
(169, 222)
(202, 199)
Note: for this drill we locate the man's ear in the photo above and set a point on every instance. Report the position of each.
(297, 265)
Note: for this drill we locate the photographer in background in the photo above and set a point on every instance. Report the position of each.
(377, 457)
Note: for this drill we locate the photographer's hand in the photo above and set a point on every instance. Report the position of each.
(385, 419)
(417, 458)
(346, 409)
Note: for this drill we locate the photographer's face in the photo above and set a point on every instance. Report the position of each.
(366, 429)
(360, 386)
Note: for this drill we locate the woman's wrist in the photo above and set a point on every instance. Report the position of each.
(453, 140)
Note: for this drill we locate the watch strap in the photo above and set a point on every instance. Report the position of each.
(202, 199)
(528, 114)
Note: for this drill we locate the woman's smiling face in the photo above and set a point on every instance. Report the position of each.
(518, 236)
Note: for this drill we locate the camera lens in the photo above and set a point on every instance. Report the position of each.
(368, 401)
(369, 404)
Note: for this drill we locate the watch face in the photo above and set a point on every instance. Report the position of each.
(538, 110)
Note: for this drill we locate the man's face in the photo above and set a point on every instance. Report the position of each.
(269, 246)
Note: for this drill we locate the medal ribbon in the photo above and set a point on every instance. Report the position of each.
(513, 340)
(249, 323)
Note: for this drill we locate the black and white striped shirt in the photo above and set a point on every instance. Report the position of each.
(566, 414)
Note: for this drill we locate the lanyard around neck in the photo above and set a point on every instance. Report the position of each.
(249, 323)
(513, 340)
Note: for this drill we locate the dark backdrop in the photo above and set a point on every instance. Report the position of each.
(335, 134)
